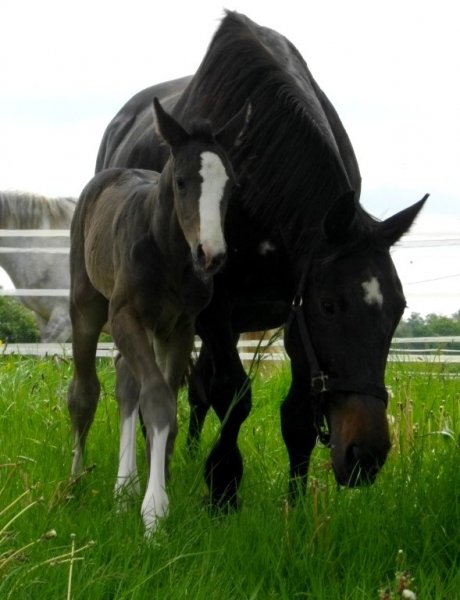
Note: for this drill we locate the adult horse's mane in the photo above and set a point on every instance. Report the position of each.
(296, 157)
(22, 210)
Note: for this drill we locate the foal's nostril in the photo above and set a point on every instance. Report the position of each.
(200, 254)
(207, 261)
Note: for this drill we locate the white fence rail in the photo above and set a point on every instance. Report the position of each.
(262, 350)
(36, 233)
(402, 349)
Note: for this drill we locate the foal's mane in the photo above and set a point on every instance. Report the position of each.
(22, 210)
(296, 157)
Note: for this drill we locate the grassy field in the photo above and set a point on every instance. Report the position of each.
(60, 541)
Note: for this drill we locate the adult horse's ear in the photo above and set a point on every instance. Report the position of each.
(168, 128)
(393, 228)
(232, 133)
(339, 218)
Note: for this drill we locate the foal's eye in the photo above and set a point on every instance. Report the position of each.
(180, 182)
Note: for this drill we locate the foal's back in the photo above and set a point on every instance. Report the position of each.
(113, 215)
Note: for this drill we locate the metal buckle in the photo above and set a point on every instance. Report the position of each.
(319, 383)
(297, 301)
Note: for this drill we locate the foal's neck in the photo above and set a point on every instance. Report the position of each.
(164, 224)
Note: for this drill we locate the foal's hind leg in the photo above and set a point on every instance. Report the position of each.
(88, 312)
(127, 393)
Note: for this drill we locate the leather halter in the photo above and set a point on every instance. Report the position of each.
(320, 381)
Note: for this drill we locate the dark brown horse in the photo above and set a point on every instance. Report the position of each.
(295, 231)
(144, 248)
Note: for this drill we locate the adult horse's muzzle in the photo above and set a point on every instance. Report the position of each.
(360, 438)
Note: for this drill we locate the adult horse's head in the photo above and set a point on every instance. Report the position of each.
(202, 180)
(348, 304)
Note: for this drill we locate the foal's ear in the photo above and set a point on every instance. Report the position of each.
(393, 228)
(168, 128)
(339, 218)
(232, 133)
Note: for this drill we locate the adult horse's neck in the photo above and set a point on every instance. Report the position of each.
(296, 158)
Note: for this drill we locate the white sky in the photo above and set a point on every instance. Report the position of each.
(392, 70)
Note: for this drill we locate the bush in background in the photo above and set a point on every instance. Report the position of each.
(17, 324)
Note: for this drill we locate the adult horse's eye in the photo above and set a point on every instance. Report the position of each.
(327, 307)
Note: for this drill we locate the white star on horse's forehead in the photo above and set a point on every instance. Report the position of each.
(372, 292)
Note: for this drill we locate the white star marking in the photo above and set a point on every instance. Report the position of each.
(372, 292)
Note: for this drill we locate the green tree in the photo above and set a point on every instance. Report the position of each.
(441, 325)
(17, 324)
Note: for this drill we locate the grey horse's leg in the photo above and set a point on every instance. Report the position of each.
(59, 327)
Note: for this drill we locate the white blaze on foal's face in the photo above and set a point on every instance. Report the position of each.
(372, 292)
(215, 178)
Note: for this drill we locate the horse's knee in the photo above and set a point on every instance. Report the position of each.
(231, 400)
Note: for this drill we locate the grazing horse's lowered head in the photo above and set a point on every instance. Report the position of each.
(348, 304)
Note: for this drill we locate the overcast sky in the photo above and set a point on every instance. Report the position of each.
(390, 68)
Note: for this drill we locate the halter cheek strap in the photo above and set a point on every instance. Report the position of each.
(321, 382)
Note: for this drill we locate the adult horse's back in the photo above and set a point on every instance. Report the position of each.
(296, 235)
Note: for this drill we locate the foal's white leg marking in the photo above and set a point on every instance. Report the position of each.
(372, 292)
(214, 178)
(127, 467)
(155, 503)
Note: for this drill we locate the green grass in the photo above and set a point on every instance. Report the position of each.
(336, 544)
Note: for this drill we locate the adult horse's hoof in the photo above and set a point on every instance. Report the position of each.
(222, 505)
(223, 473)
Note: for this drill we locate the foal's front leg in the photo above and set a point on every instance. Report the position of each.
(157, 404)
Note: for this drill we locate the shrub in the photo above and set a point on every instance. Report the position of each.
(17, 324)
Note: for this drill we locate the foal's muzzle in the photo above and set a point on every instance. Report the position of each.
(207, 262)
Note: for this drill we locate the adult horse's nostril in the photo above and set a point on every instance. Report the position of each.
(362, 466)
(354, 454)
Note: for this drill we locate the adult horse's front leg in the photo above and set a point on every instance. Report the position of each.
(229, 393)
(299, 433)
